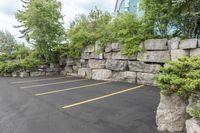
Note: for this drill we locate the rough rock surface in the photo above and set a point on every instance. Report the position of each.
(96, 55)
(145, 78)
(174, 43)
(156, 44)
(116, 47)
(171, 114)
(107, 55)
(15, 74)
(101, 74)
(37, 74)
(116, 65)
(143, 67)
(89, 49)
(96, 64)
(119, 56)
(124, 76)
(193, 125)
(154, 56)
(178, 53)
(24, 74)
(188, 44)
(193, 103)
(199, 43)
(85, 55)
(51, 73)
(68, 69)
(195, 52)
(85, 72)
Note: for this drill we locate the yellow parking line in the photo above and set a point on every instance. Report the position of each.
(69, 89)
(101, 97)
(69, 81)
(38, 80)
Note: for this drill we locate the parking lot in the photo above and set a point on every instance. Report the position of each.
(76, 105)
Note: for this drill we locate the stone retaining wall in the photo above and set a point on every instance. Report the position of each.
(110, 64)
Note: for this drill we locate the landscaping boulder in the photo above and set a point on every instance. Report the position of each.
(174, 43)
(24, 74)
(37, 74)
(124, 76)
(171, 114)
(89, 49)
(193, 103)
(138, 66)
(155, 44)
(116, 47)
(107, 55)
(188, 44)
(96, 55)
(96, 64)
(195, 52)
(85, 55)
(15, 74)
(101, 74)
(51, 73)
(116, 65)
(68, 69)
(178, 53)
(119, 56)
(108, 48)
(199, 43)
(85, 73)
(193, 125)
(145, 78)
(154, 56)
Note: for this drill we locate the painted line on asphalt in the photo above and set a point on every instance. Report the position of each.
(69, 89)
(102, 97)
(40, 85)
(38, 80)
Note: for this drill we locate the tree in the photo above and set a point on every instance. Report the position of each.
(43, 26)
(7, 42)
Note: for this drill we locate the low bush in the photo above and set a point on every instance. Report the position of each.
(181, 77)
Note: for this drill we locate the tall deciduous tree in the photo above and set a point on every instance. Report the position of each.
(43, 26)
(7, 42)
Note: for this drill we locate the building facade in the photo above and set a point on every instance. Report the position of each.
(122, 6)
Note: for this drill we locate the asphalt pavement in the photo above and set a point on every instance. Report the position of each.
(76, 105)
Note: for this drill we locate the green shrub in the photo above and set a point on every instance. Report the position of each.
(30, 63)
(181, 77)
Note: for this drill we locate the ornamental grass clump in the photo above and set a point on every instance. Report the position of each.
(181, 77)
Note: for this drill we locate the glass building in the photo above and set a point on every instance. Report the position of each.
(122, 6)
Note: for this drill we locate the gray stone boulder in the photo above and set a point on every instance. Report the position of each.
(145, 78)
(43, 66)
(155, 44)
(85, 73)
(119, 56)
(138, 66)
(116, 65)
(89, 49)
(96, 64)
(37, 74)
(85, 55)
(75, 68)
(24, 74)
(174, 43)
(63, 73)
(70, 62)
(68, 69)
(171, 114)
(15, 74)
(51, 73)
(126, 76)
(199, 43)
(96, 55)
(188, 44)
(154, 56)
(108, 48)
(107, 55)
(178, 53)
(101, 74)
(193, 125)
(195, 52)
(193, 103)
(115, 47)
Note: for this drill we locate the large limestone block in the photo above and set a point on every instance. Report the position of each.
(178, 53)
(138, 66)
(124, 76)
(145, 78)
(96, 55)
(51, 73)
(70, 62)
(193, 103)
(96, 64)
(116, 65)
(85, 55)
(174, 43)
(101, 74)
(199, 43)
(15, 74)
(115, 47)
(37, 74)
(24, 74)
(85, 72)
(108, 48)
(108, 55)
(154, 56)
(155, 44)
(68, 69)
(89, 49)
(193, 125)
(119, 56)
(171, 114)
(195, 52)
(188, 44)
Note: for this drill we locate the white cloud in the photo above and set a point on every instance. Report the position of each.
(70, 9)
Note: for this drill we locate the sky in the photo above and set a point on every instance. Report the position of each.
(70, 8)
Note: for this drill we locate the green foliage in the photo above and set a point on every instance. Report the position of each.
(43, 26)
(7, 42)
(173, 17)
(85, 30)
(30, 63)
(181, 77)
